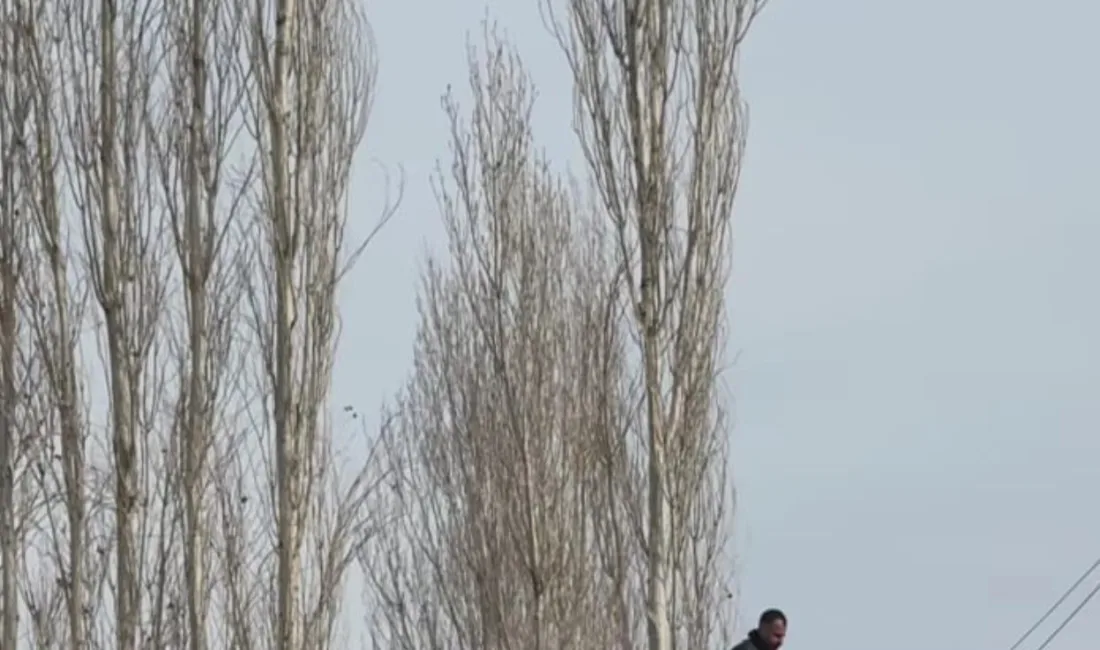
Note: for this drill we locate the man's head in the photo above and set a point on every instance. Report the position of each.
(772, 628)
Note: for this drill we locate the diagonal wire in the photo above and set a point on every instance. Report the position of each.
(1072, 615)
(1057, 604)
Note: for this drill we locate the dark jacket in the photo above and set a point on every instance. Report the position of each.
(753, 642)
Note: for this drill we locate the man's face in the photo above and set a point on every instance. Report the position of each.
(773, 634)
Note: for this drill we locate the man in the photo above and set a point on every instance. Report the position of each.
(769, 633)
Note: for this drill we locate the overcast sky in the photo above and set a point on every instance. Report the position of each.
(914, 301)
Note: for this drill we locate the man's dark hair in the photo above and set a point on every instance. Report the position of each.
(772, 615)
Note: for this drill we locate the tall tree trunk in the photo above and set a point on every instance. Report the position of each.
(288, 437)
(196, 438)
(9, 620)
(11, 146)
(124, 444)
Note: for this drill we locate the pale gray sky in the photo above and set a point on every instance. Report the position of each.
(914, 302)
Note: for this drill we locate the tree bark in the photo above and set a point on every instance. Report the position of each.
(288, 443)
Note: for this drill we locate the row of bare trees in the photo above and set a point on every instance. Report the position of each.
(173, 228)
(173, 232)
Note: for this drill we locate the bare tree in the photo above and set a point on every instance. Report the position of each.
(498, 443)
(661, 123)
(200, 122)
(13, 112)
(20, 370)
(111, 63)
(21, 367)
(313, 73)
(54, 309)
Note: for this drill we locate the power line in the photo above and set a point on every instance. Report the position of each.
(1072, 615)
(1057, 604)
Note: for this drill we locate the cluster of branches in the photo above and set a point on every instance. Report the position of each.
(173, 230)
(172, 234)
(559, 455)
